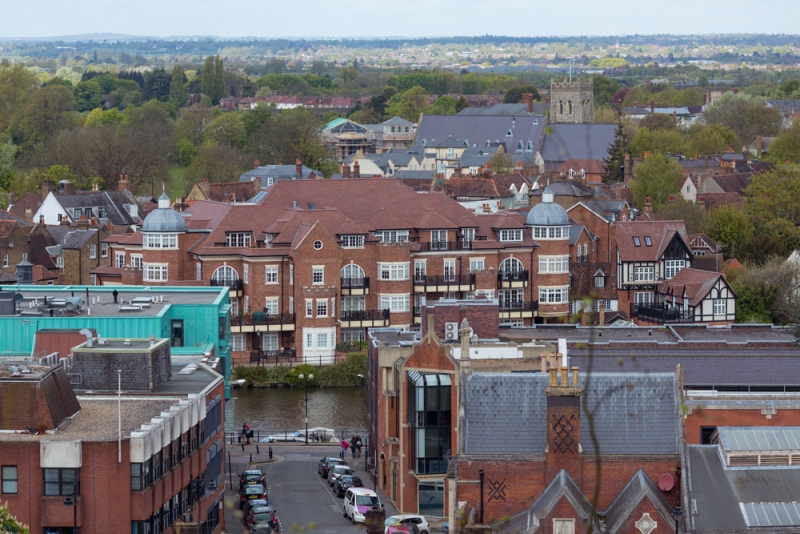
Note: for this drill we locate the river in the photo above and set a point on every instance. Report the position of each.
(274, 410)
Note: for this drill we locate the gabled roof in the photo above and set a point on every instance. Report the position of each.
(639, 488)
(478, 130)
(568, 188)
(397, 121)
(577, 141)
(28, 201)
(481, 188)
(732, 183)
(6, 216)
(113, 201)
(694, 284)
(660, 233)
(276, 172)
(590, 166)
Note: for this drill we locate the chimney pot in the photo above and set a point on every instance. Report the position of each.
(575, 382)
(553, 377)
(298, 167)
(356, 170)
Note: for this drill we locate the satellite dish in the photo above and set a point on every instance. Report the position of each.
(666, 482)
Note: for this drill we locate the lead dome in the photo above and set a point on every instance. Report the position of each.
(164, 218)
(547, 212)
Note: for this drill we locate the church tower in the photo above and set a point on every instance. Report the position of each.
(571, 102)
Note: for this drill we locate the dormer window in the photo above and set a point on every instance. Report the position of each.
(636, 241)
(647, 241)
(352, 241)
(466, 143)
(571, 173)
(520, 146)
(509, 133)
(599, 279)
(101, 212)
(583, 174)
(529, 147)
(239, 239)
(510, 236)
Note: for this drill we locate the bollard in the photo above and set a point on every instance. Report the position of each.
(242, 447)
(251, 457)
(270, 452)
(257, 451)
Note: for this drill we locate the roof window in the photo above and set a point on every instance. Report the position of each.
(647, 241)
(636, 241)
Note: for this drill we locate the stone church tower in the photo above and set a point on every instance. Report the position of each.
(571, 102)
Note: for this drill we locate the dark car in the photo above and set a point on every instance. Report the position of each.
(343, 482)
(326, 463)
(255, 503)
(248, 493)
(262, 516)
(253, 476)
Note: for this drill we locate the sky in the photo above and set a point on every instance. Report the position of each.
(393, 18)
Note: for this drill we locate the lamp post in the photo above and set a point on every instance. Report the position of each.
(677, 512)
(305, 381)
(72, 500)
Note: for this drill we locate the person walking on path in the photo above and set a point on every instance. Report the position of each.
(358, 446)
(344, 445)
(353, 446)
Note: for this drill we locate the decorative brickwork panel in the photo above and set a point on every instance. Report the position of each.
(563, 428)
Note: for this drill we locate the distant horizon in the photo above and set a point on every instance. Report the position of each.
(412, 19)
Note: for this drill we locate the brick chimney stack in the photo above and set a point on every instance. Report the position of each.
(124, 184)
(563, 423)
(257, 184)
(69, 188)
(652, 106)
(527, 98)
(345, 170)
(356, 170)
(83, 223)
(298, 167)
(256, 164)
(47, 188)
(648, 205)
(12, 198)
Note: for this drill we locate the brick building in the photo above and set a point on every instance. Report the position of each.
(308, 266)
(165, 466)
(495, 433)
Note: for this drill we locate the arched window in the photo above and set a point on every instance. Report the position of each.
(351, 271)
(561, 106)
(529, 148)
(511, 265)
(520, 146)
(224, 276)
(570, 106)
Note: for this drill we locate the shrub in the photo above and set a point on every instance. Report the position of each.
(344, 374)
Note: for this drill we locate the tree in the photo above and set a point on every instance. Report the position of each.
(604, 90)
(88, 95)
(461, 104)
(656, 178)
(444, 105)
(746, 115)
(99, 117)
(605, 115)
(767, 293)
(227, 129)
(16, 84)
(217, 163)
(47, 111)
(58, 173)
(731, 228)
(220, 90)
(177, 87)
(157, 86)
(514, 94)
(693, 215)
(790, 86)
(186, 151)
(658, 121)
(614, 161)
(663, 141)
(9, 523)
(409, 105)
(710, 139)
(786, 148)
(500, 163)
(775, 194)
(208, 80)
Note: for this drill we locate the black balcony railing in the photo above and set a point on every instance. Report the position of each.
(233, 284)
(433, 246)
(265, 356)
(364, 315)
(355, 283)
(512, 276)
(260, 318)
(520, 305)
(661, 314)
(444, 280)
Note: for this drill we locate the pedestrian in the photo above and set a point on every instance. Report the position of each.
(358, 446)
(344, 445)
(245, 433)
(353, 446)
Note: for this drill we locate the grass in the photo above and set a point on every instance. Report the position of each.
(177, 186)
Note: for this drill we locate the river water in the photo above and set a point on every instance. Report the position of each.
(274, 410)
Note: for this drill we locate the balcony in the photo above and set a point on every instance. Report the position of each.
(661, 314)
(272, 356)
(355, 286)
(518, 309)
(234, 285)
(262, 322)
(440, 246)
(417, 314)
(512, 279)
(364, 318)
(444, 284)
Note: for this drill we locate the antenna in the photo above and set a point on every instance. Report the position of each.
(570, 69)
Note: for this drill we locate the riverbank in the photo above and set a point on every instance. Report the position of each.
(347, 373)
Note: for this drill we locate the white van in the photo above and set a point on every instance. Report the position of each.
(357, 501)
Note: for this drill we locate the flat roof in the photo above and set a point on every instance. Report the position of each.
(133, 301)
(101, 345)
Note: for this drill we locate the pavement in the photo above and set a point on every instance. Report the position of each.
(301, 499)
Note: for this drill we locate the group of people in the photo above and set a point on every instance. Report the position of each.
(245, 435)
(354, 445)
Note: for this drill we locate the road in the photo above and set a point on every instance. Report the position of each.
(301, 498)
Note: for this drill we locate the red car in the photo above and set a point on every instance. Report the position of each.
(248, 493)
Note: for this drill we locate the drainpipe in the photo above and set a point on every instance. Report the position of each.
(480, 474)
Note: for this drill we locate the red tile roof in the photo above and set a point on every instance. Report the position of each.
(694, 284)
(660, 233)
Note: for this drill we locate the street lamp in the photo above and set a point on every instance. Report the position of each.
(305, 387)
(72, 500)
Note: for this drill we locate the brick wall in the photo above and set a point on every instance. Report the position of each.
(482, 317)
(144, 370)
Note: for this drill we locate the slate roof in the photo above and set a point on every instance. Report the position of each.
(77, 239)
(591, 166)
(577, 141)
(732, 183)
(661, 233)
(113, 201)
(6, 216)
(636, 413)
(507, 110)
(44, 398)
(699, 163)
(397, 121)
(276, 172)
(696, 285)
(568, 188)
(787, 107)
(477, 130)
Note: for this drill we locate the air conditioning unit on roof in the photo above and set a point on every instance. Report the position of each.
(451, 331)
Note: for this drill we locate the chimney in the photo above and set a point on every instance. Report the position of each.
(464, 332)
(233, 198)
(12, 198)
(124, 184)
(345, 170)
(701, 201)
(47, 188)
(83, 223)
(563, 423)
(759, 144)
(527, 98)
(356, 170)
(705, 98)
(671, 199)
(627, 168)
(69, 188)
(256, 164)
(735, 90)
(95, 186)
(298, 167)
(675, 116)
(648, 205)
(28, 214)
(257, 183)
(652, 106)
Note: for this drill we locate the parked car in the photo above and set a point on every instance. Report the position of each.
(248, 493)
(262, 516)
(326, 463)
(296, 436)
(446, 527)
(408, 519)
(255, 503)
(402, 529)
(338, 470)
(253, 476)
(357, 501)
(343, 482)
(322, 434)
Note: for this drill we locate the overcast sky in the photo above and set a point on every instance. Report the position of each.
(386, 18)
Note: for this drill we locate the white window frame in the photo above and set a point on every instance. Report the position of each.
(92, 251)
(510, 235)
(438, 236)
(269, 341)
(394, 302)
(600, 281)
(198, 270)
(322, 307)
(272, 305)
(103, 250)
(226, 277)
(318, 271)
(553, 264)
(673, 267)
(468, 235)
(245, 273)
(548, 233)
(309, 307)
(239, 239)
(322, 340)
(119, 259)
(60, 261)
(644, 273)
(393, 271)
(5, 260)
(352, 241)
(720, 307)
(554, 295)
(291, 274)
(137, 261)
(477, 264)
(155, 272)
(392, 236)
(271, 274)
(163, 241)
(238, 343)
(643, 298)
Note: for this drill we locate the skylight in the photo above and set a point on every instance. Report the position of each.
(636, 241)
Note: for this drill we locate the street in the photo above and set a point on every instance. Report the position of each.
(301, 498)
